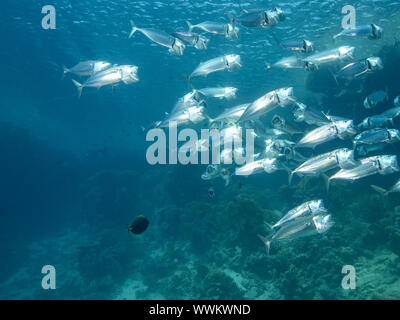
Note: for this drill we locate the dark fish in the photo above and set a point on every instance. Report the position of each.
(301, 45)
(259, 18)
(211, 192)
(196, 40)
(375, 98)
(371, 30)
(279, 122)
(139, 225)
(359, 68)
(175, 45)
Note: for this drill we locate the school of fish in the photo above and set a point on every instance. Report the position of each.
(282, 144)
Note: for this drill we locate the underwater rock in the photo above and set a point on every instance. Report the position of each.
(218, 285)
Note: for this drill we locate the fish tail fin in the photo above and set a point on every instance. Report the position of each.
(335, 78)
(190, 26)
(380, 190)
(266, 242)
(276, 39)
(134, 29)
(78, 86)
(291, 174)
(187, 77)
(268, 225)
(209, 119)
(227, 179)
(232, 18)
(267, 65)
(289, 171)
(65, 71)
(327, 181)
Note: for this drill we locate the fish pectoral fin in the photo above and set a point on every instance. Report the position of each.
(232, 18)
(327, 181)
(65, 71)
(380, 190)
(187, 77)
(78, 86)
(266, 242)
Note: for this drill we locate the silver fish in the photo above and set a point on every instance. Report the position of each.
(292, 62)
(261, 131)
(302, 113)
(87, 68)
(375, 98)
(194, 39)
(226, 29)
(175, 45)
(232, 114)
(274, 148)
(337, 129)
(332, 55)
(214, 171)
(396, 102)
(372, 31)
(380, 120)
(279, 148)
(384, 165)
(112, 76)
(305, 211)
(200, 145)
(188, 100)
(279, 122)
(280, 97)
(372, 122)
(316, 225)
(375, 139)
(193, 114)
(391, 113)
(221, 93)
(301, 45)
(357, 69)
(263, 165)
(227, 156)
(259, 18)
(335, 118)
(394, 188)
(230, 62)
(342, 158)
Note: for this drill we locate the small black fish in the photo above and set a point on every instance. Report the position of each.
(211, 192)
(139, 225)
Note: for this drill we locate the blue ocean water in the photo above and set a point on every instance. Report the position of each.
(74, 172)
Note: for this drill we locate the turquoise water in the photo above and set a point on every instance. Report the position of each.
(74, 172)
